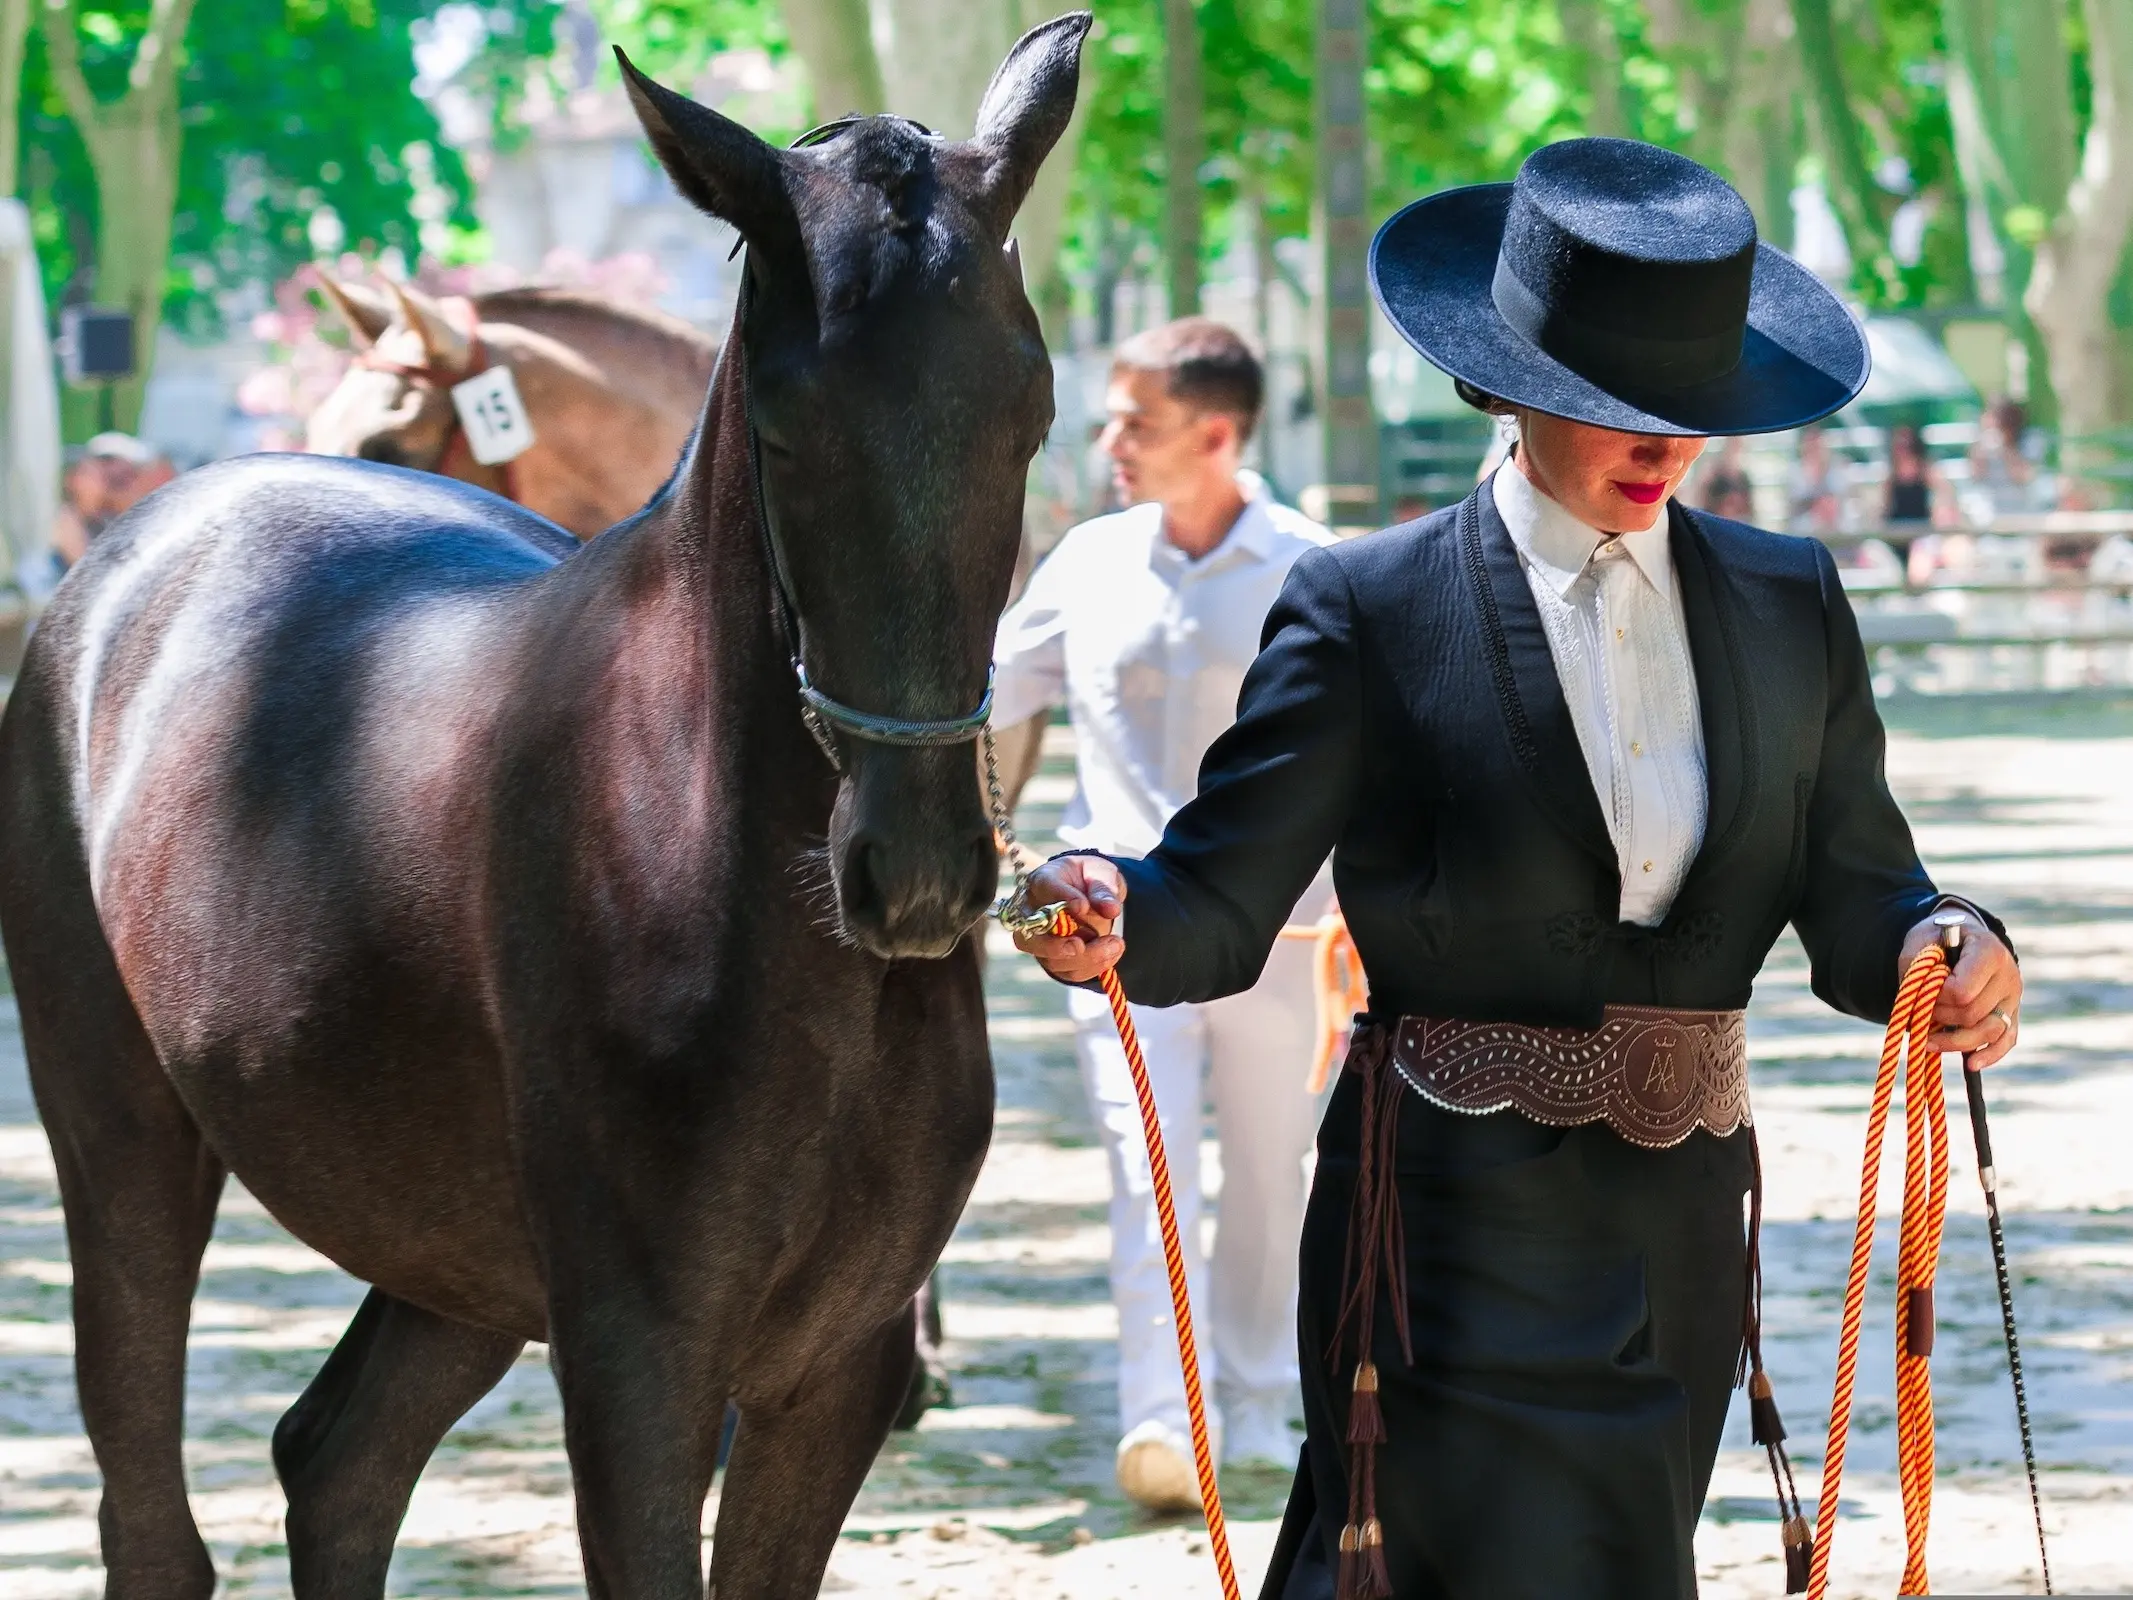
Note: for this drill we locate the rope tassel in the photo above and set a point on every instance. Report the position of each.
(1925, 1210)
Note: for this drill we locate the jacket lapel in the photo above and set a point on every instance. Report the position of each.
(1723, 690)
(1528, 691)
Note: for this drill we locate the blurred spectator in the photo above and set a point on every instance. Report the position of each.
(1816, 489)
(104, 479)
(1726, 489)
(1917, 489)
(2004, 480)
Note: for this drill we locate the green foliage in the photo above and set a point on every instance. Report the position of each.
(287, 106)
(672, 39)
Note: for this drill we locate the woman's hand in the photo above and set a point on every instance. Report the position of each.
(1093, 892)
(1980, 1011)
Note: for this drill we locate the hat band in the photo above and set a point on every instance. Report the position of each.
(1635, 361)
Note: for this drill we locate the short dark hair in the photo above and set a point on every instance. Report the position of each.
(1204, 363)
(1482, 400)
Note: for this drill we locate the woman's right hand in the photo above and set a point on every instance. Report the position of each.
(1093, 892)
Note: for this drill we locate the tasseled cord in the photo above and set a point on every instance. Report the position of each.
(1765, 1426)
(1376, 1243)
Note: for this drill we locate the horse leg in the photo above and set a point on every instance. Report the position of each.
(643, 1412)
(798, 1465)
(140, 1187)
(349, 1451)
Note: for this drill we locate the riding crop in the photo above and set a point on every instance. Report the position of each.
(1924, 1216)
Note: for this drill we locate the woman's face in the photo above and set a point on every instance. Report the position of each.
(1615, 482)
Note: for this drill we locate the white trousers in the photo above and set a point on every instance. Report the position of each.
(1253, 1050)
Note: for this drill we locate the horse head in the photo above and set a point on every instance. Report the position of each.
(897, 386)
(394, 404)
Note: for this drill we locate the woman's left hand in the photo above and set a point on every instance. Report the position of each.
(1980, 1011)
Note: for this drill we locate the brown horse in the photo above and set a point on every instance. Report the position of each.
(612, 392)
(486, 902)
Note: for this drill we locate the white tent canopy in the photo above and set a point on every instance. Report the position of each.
(29, 397)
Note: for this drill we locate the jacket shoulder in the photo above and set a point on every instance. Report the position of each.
(1397, 557)
(1745, 549)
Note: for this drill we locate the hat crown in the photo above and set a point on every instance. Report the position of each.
(1628, 263)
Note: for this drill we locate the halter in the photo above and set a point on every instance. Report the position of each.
(826, 717)
(439, 380)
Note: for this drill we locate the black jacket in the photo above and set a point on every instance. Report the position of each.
(1404, 712)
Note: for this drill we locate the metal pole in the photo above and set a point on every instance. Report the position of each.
(1347, 423)
(1951, 925)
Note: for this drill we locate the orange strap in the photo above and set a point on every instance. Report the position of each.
(1166, 1212)
(1925, 1211)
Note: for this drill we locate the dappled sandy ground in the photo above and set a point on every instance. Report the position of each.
(1008, 1494)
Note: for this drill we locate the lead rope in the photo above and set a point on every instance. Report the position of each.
(1017, 916)
(1925, 1209)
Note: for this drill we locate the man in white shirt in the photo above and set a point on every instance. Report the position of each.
(1143, 624)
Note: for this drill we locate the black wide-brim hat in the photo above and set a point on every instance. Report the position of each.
(1622, 285)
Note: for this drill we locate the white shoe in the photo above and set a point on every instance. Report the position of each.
(1155, 1467)
(1260, 1435)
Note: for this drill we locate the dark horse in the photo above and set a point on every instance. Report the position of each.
(484, 903)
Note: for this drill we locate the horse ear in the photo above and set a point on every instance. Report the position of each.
(444, 347)
(1027, 107)
(719, 165)
(366, 312)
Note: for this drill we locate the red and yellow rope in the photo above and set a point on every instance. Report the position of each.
(1925, 1210)
(1166, 1212)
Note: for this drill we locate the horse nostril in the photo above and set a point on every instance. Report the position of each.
(985, 873)
(859, 883)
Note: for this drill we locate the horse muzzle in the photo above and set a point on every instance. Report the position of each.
(913, 859)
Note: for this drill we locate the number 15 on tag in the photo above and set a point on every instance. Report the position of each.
(495, 420)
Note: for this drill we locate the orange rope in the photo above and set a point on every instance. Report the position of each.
(1174, 1258)
(1925, 1209)
(1338, 990)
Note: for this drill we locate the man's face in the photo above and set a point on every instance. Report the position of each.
(1159, 446)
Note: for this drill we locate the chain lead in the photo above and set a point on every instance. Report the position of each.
(1013, 911)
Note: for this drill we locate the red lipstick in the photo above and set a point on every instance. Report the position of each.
(1643, 494)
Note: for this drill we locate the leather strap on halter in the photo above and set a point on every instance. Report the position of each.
(439, 380)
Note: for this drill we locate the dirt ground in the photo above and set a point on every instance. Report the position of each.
(2026, 804)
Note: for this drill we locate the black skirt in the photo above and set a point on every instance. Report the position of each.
(1575, 1306)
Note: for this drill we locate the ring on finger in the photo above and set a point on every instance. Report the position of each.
(2006, 1019)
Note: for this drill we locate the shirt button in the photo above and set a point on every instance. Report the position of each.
(1621, 633)
(1647, 866)
(1635, 748)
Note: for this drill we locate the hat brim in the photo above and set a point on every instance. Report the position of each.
(1431, 267)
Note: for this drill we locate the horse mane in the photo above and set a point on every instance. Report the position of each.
(556, 308)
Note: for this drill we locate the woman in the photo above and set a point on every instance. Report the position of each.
(1580, 754)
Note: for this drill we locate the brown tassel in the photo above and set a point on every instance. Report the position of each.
(1765, 1426)
(1376, 1577)
(1799, 1554)
(1366, 1419)
(1345, 1585)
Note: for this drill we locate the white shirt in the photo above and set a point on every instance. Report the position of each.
(1147, 649)
(1612, 611)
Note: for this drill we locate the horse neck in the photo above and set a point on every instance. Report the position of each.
(702, 545)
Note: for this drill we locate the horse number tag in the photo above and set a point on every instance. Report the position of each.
(495, 420)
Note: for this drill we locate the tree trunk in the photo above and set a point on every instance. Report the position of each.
(1851, 181)
(14, 40)
(135, 153)
(133, 145)
(1589, 30)
(835, 42)
(1184, 145)
(2078, 258)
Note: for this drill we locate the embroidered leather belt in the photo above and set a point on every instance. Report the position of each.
(1651, 1074)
